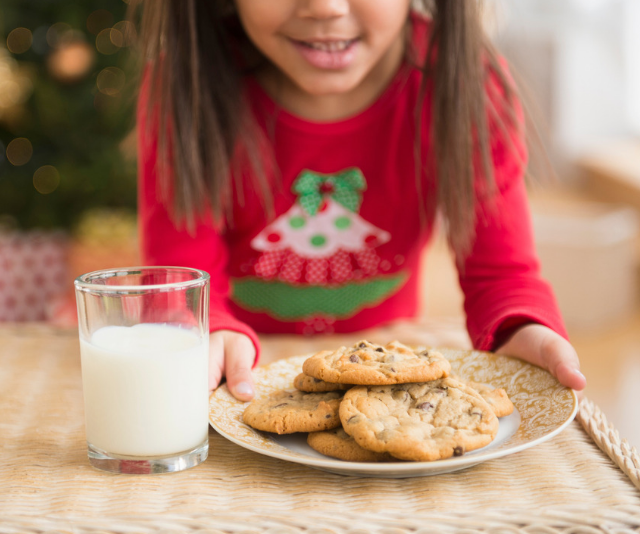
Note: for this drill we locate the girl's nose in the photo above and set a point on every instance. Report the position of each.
(323, 9)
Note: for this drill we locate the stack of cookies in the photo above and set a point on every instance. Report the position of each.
(373, 403)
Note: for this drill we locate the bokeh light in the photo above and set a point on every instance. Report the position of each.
(99, 20)
(15, 85)
(46, 179)
(117, 38)
(105, 44)
(10, 92)
(56, 34)
(19, 151)
(111, 81)
(71, 61)
(19, 40)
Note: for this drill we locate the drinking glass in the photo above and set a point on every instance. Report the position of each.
(144, 346)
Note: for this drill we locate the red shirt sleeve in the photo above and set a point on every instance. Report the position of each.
(501, 277)
(162, 243)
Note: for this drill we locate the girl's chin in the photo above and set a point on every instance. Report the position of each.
(321, 86)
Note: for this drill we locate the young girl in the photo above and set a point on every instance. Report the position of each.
(300, 151)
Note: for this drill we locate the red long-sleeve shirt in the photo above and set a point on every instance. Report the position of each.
(343, 251)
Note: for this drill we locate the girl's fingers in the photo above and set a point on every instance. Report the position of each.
(542, 346)
(570, 377)
(562, 361)
(216, 359)
(239, 355)
(232, 355)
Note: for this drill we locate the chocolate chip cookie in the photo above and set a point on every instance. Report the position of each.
(338, 444)
(496, 398)
(366, 363)
(421, 422)
(289, 411)
(309, 384)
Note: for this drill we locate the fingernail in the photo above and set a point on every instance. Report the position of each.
(578, 373)
(244, 388)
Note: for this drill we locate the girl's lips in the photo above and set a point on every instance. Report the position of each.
(331, 55)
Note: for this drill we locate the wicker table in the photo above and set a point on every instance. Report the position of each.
(583, 480)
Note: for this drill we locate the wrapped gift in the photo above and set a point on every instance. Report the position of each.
(34, 273)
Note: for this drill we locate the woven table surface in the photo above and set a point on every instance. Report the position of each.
(585, 479)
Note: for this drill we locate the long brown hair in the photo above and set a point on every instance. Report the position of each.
(197, 53)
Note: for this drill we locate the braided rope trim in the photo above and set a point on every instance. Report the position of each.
(605, 435)
(560, 521)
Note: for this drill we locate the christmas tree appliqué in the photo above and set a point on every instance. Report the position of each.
(320, 256)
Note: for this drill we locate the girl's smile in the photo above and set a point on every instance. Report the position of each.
(328, 54)
(329, 58)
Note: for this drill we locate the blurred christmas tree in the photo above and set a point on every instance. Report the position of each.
(66, 111)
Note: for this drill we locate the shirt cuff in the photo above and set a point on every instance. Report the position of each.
(220, 320)
(504, 324)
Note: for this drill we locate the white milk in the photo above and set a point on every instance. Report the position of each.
(145, 389)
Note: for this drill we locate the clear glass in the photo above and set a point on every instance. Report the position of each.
(144, 345)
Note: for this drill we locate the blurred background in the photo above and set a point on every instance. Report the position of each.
(67, 150)
(68, 167)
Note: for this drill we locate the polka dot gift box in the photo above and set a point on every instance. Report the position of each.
(34, 274)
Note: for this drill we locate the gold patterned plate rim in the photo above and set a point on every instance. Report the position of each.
(543, 408)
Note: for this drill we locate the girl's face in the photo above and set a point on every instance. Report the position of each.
(326, 47)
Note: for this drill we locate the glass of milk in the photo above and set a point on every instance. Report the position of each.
(144, 346)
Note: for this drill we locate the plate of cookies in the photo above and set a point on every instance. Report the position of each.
(393, 410)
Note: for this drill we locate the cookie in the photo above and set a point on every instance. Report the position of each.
(338, 444)
(369, 364)
(309, 384)
(496, 398)
(421, 422)
(289, 411)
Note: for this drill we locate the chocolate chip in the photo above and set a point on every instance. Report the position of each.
(476, 412)
(279, 405)
(424, 406)
(353, 358)
(441, 391)
(352, 419)
(379, 349)
(362, 345)
(458, 451)
(317, 380)
(328, 416)
(392, 370)
(400, 395)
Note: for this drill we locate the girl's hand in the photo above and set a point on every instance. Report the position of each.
(232, 354)
(542, 346)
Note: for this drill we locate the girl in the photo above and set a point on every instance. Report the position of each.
(300, 150)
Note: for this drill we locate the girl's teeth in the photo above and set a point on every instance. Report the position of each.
(335, 46)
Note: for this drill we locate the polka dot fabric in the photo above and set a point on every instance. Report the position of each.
(341, 267)
(292, 268)
(269, 264)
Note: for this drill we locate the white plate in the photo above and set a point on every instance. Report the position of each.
(543, 408)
